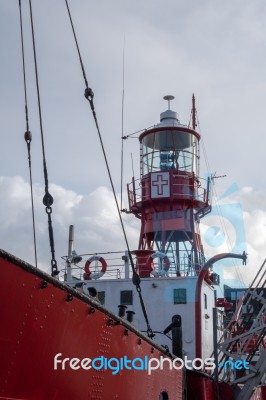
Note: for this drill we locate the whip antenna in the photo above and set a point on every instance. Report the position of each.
(122, 138)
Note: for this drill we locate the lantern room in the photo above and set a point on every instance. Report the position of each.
(169, 146)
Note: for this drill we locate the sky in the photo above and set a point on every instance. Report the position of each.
(213, 48)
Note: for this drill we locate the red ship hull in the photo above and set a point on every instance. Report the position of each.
(41, 317)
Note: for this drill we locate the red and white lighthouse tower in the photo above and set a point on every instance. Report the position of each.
(169, 198)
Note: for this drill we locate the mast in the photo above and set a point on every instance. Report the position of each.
(194, 112)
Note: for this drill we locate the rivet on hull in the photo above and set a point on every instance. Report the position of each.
(111, 322)
(44, 285)
(69, 297)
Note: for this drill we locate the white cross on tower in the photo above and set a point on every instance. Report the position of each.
(160, 184)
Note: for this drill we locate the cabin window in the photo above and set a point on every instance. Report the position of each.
(235, 295)
(101, 297)
(126, 297)
(180, 296)
(205, 301)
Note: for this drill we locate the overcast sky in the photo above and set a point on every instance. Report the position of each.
(215, 49)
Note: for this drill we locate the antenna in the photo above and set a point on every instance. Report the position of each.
(169, 97)
(122, 145)
(194, 112)
(214, 176)
(132, 164)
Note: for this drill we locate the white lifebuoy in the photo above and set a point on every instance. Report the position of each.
(163, 271)
(88, 275)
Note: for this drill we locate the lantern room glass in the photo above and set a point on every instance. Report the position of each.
(166, 150)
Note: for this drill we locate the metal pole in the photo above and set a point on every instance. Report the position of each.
(70, 249)
(215, 351)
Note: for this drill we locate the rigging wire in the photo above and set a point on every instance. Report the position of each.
(47, 199)
(28, 135)
(133, 133)
(89, 95)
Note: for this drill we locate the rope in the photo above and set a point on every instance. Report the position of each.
(76, 41)
(47, 199)
(28, 135)
(89, 95)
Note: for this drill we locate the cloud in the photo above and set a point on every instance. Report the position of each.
(237, 224)
(97, 226)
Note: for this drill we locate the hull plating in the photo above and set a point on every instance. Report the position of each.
(39, 321)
